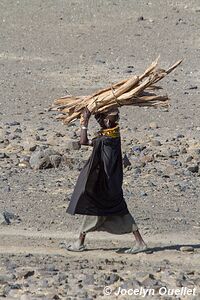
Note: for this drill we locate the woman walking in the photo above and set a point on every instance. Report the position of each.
(98, 192)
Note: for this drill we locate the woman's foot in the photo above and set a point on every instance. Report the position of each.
(138, 248)
(77, 246)
(74, 247)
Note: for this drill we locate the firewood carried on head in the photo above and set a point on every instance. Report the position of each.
(136, 91)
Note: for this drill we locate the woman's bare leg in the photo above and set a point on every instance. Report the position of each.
(138, 238)
(82, 238)
(78, 245)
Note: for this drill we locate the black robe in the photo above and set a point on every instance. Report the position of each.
(98, 191)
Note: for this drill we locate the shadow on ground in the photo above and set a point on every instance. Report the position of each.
(151, 250)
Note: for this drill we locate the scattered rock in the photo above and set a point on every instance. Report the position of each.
(193, 87)
(55, 160)
(73, 145)
(138, 149)
(156, 143)
(141, 18)
(13, 123)
(4, 278)
(153, 125)
(143, 194)
(193, 168)
(146, 158)
(7, 218)
(126, 161)
(148, 280)
(189, 159)
(28, 274)
(56, 297)
(44, 159)
(187, 249)
(3, 155)
(112, 278)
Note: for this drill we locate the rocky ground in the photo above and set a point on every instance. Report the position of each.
(51, 48)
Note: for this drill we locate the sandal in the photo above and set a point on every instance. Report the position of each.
(136, 249)
(74, 247)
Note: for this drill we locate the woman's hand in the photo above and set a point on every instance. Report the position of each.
(86, 113)
(85, 117)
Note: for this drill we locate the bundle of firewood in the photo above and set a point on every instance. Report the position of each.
(136, 90)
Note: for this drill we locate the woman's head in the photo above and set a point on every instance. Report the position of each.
(108, 119)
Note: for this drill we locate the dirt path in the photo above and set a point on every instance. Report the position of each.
(38, 254)
(47, 242)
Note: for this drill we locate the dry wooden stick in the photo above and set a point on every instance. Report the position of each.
(132, 91)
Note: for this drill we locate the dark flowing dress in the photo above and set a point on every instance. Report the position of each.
(98, 192)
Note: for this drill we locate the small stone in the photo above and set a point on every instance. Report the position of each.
(183, 150)
(112, 278)
(29, 144)
(73, 145)
(18, 130)
(3, 155)
(126, 161)
(14, 123)
(128, 71)
(3, 221)
(24, 165)
(175, 162)
(146, 158)
(143, 194)
(138, 149)
(55, 160)
(51, 268)
(40, 160)
(40, 128)
(182, 186)
(15, 286)
(62, 276)
(179, 136)
(156, 143)
(137, 171)
(193, 87)
(193, 168)
(187, 249)
(189, 159)
(10, 217)
(6, 278)
(141, 18)
(6, 188)
(186, 173)
(101, 61)
(28, 274)
(153, 125)
(56, 297)
(148, 280)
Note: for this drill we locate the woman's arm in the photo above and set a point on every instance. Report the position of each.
(84, 126)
